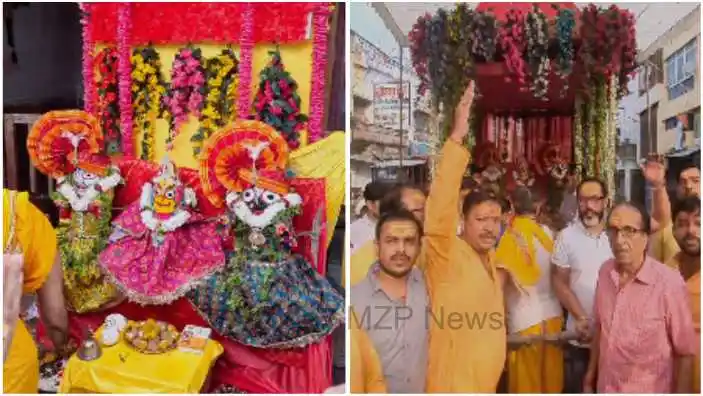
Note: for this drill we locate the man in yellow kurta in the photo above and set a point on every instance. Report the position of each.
(467, 334)
(42, 274)
(687, 232)
(532, 307)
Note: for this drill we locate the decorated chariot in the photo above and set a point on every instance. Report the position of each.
(549, 77)
(193, 196)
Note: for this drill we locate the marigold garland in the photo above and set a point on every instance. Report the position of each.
(148, 91)
(107, 108)
(220, 98)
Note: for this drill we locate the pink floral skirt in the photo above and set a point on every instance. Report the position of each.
(158, 273)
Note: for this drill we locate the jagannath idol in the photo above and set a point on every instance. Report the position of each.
(67, 145)
(161, 246)
(267, 297)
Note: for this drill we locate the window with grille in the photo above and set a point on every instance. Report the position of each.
(681, 70)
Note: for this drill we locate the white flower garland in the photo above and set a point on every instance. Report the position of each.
(80, 199)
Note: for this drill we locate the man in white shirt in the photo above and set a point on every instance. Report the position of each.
(363, 229)
(579, 251)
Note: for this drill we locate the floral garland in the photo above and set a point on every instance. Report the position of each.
(589, 119)
(457, 67)
(246, 57)
(600, 124)
(578, 137)
(88, 48)
(277, 102)
(511, 41)
(565, 57)
(220, 98)
(187, 88)
(319, 71)
(610, 158)
(484, 28)
(280, 241)
(106, 63)
(124, 28)
(537, 35)
(608, 45)
(418, 52)
(148, 89)
(439, 54)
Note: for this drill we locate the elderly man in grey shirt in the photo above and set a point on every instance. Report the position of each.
(391, 304)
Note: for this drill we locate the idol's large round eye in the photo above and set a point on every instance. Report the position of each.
(248, 195)
(170, 194)
(269, 197)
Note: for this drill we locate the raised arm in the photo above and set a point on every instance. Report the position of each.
(654, 172)
(441, 216)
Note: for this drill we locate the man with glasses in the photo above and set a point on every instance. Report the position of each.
(643, 340)
(579, 251)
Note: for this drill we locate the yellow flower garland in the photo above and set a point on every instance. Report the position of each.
(148, 88)
(219, 110)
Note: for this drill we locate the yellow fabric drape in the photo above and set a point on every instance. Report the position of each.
(516, 251)
(537, 368)
(325, 159)
(37, 239)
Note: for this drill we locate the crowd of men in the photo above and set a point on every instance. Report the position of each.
(451, 301)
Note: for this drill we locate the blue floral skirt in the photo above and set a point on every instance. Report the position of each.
(263, 305)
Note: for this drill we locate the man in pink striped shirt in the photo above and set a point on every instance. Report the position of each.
(644, 339)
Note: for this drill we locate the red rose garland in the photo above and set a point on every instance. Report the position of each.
(108, 105)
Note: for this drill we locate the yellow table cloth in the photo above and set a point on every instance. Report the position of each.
(171, 372)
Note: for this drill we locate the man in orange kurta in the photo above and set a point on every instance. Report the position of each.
(687, 232)
(467, 333)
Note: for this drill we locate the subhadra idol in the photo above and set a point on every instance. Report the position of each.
(67, 145)
(267, 297)
(161, 246)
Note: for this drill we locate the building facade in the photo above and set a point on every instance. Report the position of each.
(669, 89)
(380, 135)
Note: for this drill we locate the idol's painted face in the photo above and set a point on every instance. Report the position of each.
(258, 207)
(398, 247)
(165, 198)
(84, 179)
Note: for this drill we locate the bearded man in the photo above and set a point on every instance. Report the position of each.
(579, 251)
